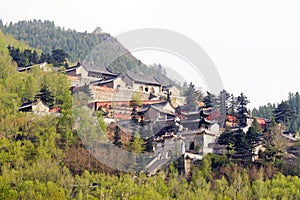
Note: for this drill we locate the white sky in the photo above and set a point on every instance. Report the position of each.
(254, 44)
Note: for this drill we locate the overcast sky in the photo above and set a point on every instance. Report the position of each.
(254, 44)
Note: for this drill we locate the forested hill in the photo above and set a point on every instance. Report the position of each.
(44, 35)
(290, 107)
(97, 48)
(6, 40)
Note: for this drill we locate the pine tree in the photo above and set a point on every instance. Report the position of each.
(226, 138)
(240, 145)
(45, 96)
(232, 108)
(45, 57)
(283, 113)
(242, 101)
(34, 57)
(273, 142)
(190, 98)
(253, 137)
(59, 57)
(137, 143)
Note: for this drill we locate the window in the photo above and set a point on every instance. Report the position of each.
(141, 88)
(146, 89)
(152, 90)
(192, 146)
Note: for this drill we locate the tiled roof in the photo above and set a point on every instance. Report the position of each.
(157, 106)
(26, 105)
(146, 79)
(98, 69)
(159, 109)
(102, 81)
(21, 69)
(167, 87)
(71, 68)
(145, 107)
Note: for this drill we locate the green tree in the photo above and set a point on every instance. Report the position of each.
(7, 193)
(136, 99)
(191, 98)
(136, 145)
(265, 111)
(253, 137)
(45, 57)
(45, 96)
(226, 138)
(59, 57)
(283, 113)
(240, 145)
(242, 101)
(232, 108)
(102, 126)
(273, 142)
(31, 87)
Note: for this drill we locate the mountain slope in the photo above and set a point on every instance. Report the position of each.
(97, 48)
(46, 36)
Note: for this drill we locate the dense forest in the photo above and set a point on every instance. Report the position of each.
(43, 157)
(29, 57)
(44, 35)
(290, 106)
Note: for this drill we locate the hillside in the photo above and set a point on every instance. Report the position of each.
(6, 40)
(46, 36)
(11, 85)
(97, 48)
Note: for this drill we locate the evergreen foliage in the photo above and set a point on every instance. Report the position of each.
(287, 112)
(283, 113)
(265, 111)
(240, 145)
(45, 96)
(46, 36)
(191, 98)
(28, 57)
(242, 102)
(23, 58)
